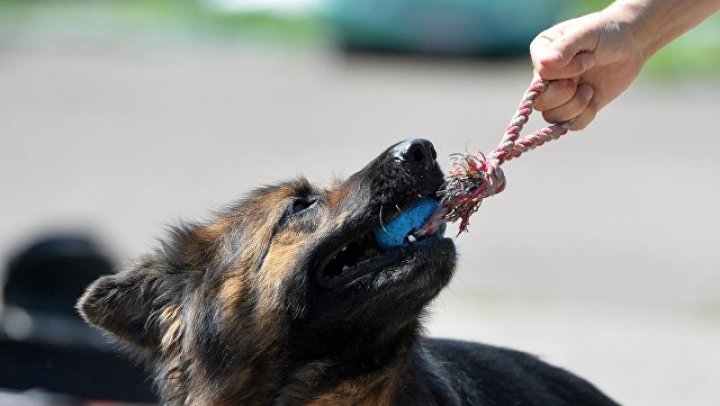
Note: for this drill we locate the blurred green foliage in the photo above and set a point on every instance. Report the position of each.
(695, 54)
(586, 6)
(162, 19)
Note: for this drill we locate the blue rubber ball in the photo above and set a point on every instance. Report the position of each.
(394, 233)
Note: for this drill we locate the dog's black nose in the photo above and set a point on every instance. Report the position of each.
(417, 151)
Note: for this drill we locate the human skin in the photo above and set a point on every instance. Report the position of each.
(592, 59)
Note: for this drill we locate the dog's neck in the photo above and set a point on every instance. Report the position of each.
(336, 381)
(373, 389)
(402, 381)
(411, 378)
(372, 377)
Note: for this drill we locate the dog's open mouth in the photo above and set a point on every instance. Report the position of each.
(359, 251)
(377, 247)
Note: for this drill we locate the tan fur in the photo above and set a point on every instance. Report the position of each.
(337, 196)
(213, 232)
(232, 290)
(170, 322)
(281, 258)
(374, 390)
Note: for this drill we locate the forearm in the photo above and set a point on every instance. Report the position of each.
(655, 23)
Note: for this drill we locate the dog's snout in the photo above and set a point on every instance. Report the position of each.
(416, 151)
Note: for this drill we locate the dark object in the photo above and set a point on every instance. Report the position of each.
(52, 273)
(44, 344)
(450, 27)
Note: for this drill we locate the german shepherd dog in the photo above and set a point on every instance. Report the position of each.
(286, 299)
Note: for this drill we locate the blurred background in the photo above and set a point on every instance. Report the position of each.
(118, 117)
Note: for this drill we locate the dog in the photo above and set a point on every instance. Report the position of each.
(285, 299)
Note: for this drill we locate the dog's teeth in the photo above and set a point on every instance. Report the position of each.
(345, 268)
(411, 238)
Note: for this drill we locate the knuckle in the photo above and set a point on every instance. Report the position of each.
(578, 103)
(544, 71)
(584, 120)
(590, 112)
(576, 67)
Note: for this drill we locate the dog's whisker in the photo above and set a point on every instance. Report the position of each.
(382, 224)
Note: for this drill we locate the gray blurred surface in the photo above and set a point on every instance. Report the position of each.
(601, 256)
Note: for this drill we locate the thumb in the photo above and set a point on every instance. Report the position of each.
(572, 40)
(542, 51)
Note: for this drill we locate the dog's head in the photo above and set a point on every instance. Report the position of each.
(293, 271)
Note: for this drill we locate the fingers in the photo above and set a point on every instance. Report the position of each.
(564, 100)
(564, 51)
(574, 109)
(584, 119)
(578, 65)
(557, 93)
(541, 51)
(575, 39)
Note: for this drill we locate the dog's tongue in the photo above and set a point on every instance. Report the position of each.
(395, 233)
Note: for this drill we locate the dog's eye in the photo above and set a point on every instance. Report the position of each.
(300, 205)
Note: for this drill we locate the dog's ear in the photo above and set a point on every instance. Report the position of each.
(128, 305)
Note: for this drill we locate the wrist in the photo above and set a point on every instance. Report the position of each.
(655, 23)
(631, 19)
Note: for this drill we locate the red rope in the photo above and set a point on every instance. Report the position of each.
(473, 178)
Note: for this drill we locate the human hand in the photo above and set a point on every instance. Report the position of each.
(590, 60)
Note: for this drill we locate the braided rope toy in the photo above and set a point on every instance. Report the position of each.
(474, 177)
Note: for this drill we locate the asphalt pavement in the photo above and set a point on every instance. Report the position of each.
(601, 255)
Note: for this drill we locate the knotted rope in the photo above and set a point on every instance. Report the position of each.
(473, 178)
